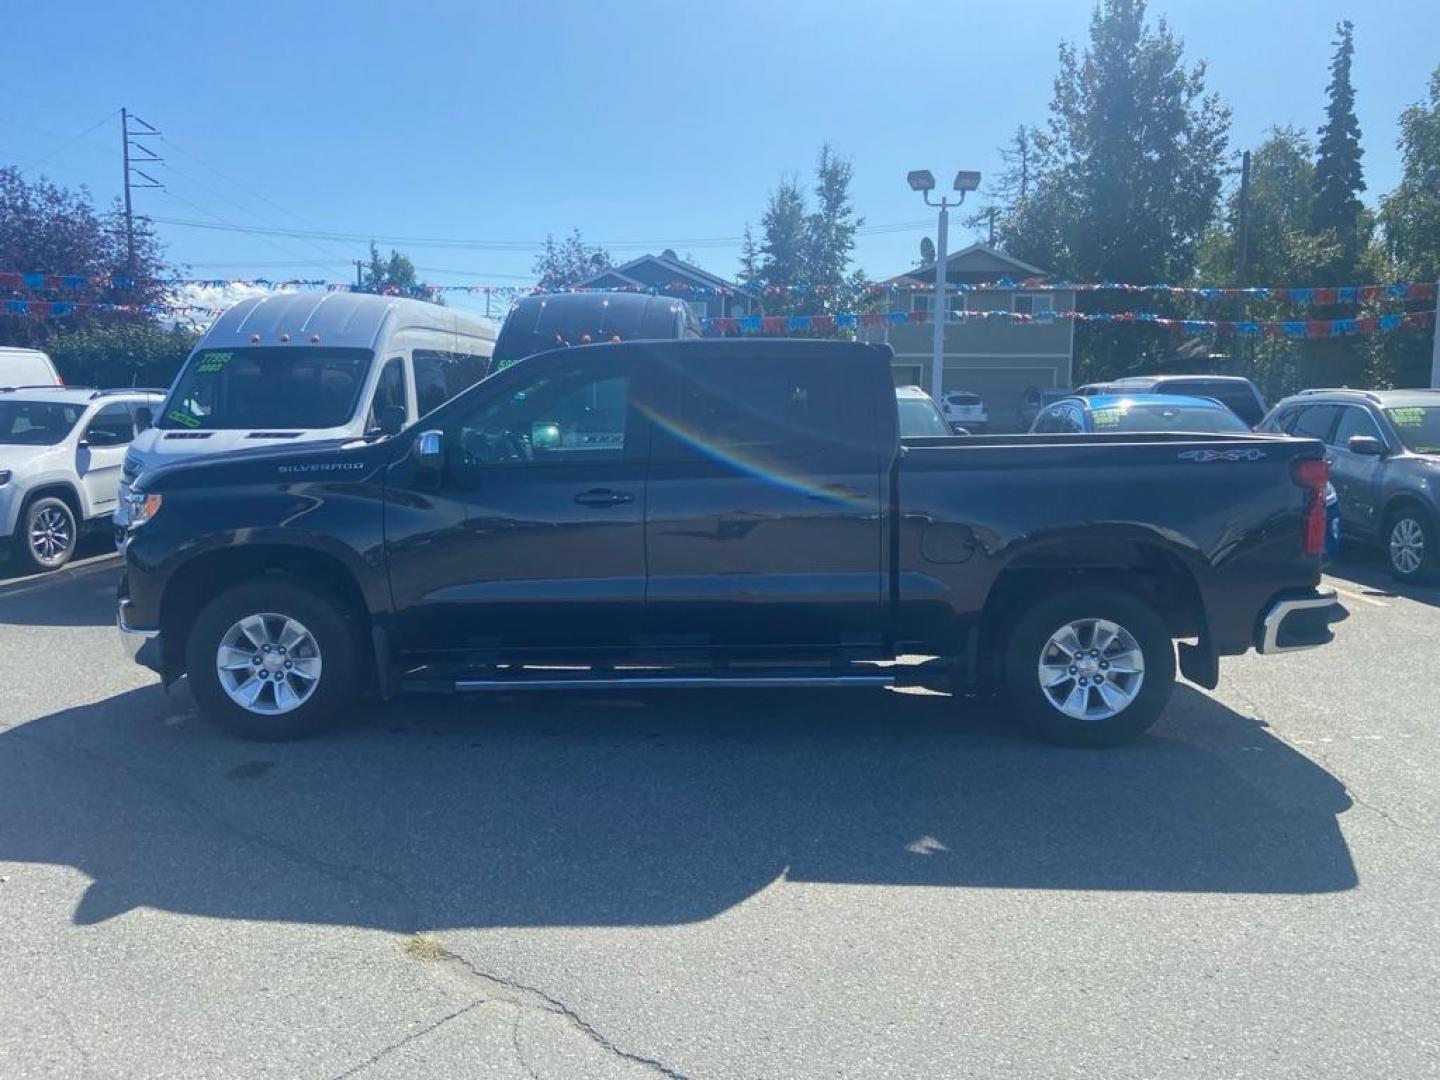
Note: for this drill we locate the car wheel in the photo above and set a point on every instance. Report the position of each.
(271, 660)
(1410, 545)
(1089, 667)
(48, 533)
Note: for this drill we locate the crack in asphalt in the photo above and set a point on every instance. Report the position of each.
(525, 996)
(386, 1051)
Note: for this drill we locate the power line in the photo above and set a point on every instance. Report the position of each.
(504, 245)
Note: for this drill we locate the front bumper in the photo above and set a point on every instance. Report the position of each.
(141, 646)
(1298, 620)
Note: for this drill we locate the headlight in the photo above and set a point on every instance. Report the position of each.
(140, 508)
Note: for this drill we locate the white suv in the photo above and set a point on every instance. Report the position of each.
(60, 457)
(966, 409)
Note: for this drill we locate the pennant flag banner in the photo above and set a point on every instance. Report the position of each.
(769, 325)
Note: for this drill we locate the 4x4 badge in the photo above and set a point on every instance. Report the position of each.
(1246, 454)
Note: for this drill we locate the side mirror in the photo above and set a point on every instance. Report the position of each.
(144, 419)
(959, 429)
(391, 420)
(544, 435)
(1367, 445)
(430, 449)
(100, 438)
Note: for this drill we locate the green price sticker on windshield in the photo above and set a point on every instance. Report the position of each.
(210, 363)
(1407, 417)
(183, 418)
(1107, 417)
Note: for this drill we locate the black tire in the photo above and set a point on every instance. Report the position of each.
(1029, 636)
(1414, 522)
(320, 614)
(51, 516)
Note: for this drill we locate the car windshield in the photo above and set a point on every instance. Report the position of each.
(920, 416)
(267, 387)
(1145, 416)
(37, 423)
(1418, 427)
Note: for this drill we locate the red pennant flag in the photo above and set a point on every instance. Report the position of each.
(872, 318)
(823, 322)
(1324, 296)
(773, 324)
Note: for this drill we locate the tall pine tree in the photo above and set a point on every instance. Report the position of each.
(1339, 178)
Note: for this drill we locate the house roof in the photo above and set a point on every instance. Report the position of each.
(667, 260)
(987, 253)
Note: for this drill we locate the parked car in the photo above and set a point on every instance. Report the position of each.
(919, 415)
(1145, 412)
(314, 367)
(966, 409)
(1036, 398)
(27, 367)
(720, 513)
(1384, 453)
(554, 320)
(60, 456)
(1240, 395)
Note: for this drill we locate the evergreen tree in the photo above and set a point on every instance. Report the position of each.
(393, 276)
(1338, 175)
(831, 236)
(749, 259)
(784, 248)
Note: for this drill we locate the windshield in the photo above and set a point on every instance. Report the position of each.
(267, 387)
(36, 423)
(1418, 427)
(539, 324)
(1143, 416)
(920, 416)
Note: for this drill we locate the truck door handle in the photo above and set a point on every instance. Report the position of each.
(603, 497)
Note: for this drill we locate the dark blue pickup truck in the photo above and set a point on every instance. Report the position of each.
(720, 513)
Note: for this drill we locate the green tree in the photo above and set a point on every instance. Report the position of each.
(136, 352)
(1281, 249)
(569, 261)
(1339, 178)
(1132, 166)
(1410, 215)
(784, 247)
(395, 274)
(749, 259)
(830, 237)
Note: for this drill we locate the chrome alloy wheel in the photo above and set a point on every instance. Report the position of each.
(1091, 669)
(52, 534)
(268, 664)
(1407, 546)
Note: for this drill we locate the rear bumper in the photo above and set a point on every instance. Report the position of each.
(1298, 620)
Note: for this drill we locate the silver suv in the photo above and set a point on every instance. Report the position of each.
(1384, 452)
(60, 457)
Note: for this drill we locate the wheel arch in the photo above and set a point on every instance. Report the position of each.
(199, 580)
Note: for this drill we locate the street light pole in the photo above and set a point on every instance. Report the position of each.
(939, 313)
(924, 182)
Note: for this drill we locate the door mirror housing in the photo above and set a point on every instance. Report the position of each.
(430, 449)
(1367, 445)
(391, 420)
(144, 418)
(959, 429)
(545, 435)
(100, 438)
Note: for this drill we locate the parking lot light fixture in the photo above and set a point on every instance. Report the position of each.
(923, 181)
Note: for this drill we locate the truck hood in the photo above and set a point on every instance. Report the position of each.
(310, 460)
(156, 447)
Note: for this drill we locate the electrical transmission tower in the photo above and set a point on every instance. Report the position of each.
(132, 128)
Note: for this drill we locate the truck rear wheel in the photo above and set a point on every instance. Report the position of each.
(1089, 667)
(271, 660)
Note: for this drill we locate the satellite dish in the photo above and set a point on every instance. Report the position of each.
(927, 250)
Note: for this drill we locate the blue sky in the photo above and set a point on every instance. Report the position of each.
(645, 124)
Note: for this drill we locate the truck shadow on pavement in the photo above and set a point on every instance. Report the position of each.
(1367, 573)
(663, 809)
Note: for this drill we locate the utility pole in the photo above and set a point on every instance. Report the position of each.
(990, 213)
(1242, 247)
(1435, 355)
(359, 283)
(132, 152)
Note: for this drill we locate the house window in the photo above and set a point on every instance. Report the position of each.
(925, 301)
(920, 301)
(1032, 303)
(701, 308)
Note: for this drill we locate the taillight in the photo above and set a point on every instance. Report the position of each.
(1313, 475)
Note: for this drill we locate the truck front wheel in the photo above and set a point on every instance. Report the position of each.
(1089, 667)
(271, 660)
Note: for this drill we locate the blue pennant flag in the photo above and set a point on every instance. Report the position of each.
(848, 321)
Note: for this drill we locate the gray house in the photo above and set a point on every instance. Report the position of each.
(667, 274)
(995, 358)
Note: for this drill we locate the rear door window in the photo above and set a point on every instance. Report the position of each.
(750, 410)
(1237, 397)
(440, 376)
(1315, 422)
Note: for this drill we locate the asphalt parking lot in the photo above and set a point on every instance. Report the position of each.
(747, 884)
